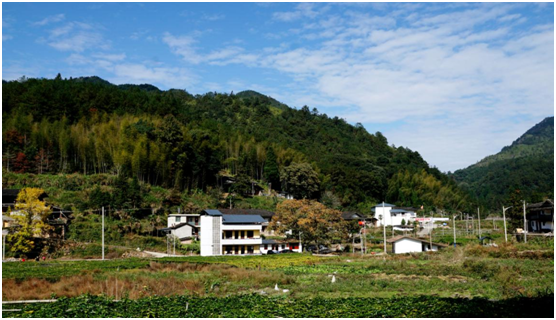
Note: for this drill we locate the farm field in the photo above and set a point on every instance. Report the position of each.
(467, 281)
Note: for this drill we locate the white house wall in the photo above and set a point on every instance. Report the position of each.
(407, 245)
(211, 235)
(183, 232)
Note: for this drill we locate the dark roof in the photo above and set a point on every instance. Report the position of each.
(212, 212)
(352, 216)
(545, 204)
(399, 211)
(241, 218)
(179, 225)
(258, 212)
(385, 204)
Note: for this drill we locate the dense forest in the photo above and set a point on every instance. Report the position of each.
(526, 167)
(185, 142)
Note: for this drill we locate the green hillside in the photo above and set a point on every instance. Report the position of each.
(526, 165)
(178, 141)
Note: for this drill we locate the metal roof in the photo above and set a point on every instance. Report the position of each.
(399, 211)
(385, 204)
(242, 218)
(213, 212)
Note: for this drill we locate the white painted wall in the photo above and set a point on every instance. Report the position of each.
(407, 245)
(211, 235)
(183, 232)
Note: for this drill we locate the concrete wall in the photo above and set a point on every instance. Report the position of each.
(185, 231)
(407, 245)
(211, 235)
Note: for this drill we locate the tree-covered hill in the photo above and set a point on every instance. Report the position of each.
(176, 140)
(526, 165)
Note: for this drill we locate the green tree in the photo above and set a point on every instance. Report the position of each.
(311, 220)
(300, 180)
(31, 215)
(271, 171)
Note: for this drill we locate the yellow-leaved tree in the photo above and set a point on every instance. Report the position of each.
(31, 215)
(310, 220)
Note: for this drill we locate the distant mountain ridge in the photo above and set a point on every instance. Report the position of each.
(527, 164)
(187, 142)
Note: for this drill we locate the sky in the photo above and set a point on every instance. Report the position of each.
(454, 81)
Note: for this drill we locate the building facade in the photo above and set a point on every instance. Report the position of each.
(230, 234)
(390, 215)
(540, 216)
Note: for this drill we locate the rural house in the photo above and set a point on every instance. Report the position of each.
(405, 244)
(230, 233)
(540, 216)
(390, 215)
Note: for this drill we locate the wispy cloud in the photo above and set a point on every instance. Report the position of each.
(76, 37)
(440, 72)
(50, 19)
(303, 10)
(182, 46)
(6, 37)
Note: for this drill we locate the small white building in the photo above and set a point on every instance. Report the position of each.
(390, 215)
(278, 245)
(405, 244)
(177, 218)
(230, 234)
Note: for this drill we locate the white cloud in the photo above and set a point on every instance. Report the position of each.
(109, 57)
(454, 76)
(50, 19)
(182, 46)
(76, 37)
(6, 37)
(303, 10)
(139, 73)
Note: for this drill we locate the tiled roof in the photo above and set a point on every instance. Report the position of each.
(242, 218)
(262, 213)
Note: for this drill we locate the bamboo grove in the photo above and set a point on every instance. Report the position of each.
(180, 141)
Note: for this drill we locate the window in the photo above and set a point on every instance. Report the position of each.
(249, 234)
(266, 246)
(229, 235)
(178, 219)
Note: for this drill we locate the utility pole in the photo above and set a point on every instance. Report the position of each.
(524, 223)
(504, 216)
(432, 227)
(384, 226)
(479, 219)
(103, 233)
(364, 239)
(455, 230)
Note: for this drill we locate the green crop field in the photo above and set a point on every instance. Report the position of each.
(468, 281)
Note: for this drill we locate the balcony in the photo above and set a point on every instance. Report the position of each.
(240, 241)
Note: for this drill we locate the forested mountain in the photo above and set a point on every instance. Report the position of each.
(526, 165)
(176, 140)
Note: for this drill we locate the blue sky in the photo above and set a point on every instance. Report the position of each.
(454, 81)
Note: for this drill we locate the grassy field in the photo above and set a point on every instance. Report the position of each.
(472, 272)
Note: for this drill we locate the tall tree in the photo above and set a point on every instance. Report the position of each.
(271, 171)
(300, 180)
(310, 220)
(31, 215)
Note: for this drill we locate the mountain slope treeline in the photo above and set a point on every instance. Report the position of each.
(526, 165)
(177, 140)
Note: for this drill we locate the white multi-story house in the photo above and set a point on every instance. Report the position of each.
(230, 234)
(390, 215)
(184, 226)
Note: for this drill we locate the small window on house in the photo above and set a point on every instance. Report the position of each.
(266, 246)
(178, 219)
(249, 234)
